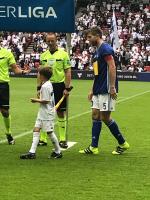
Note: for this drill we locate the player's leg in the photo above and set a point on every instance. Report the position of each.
(57, 152)
(36, 136)
(113, 127)
(108, 106)
(43, 139)
(48, 126)
(62, 129)
(4, 107)
(96, 128)
(7, 122)
(58, 93)
(43, 136)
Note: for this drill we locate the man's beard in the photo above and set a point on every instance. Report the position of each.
(52, 47)
(94, 43)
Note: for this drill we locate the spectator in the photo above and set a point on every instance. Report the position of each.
(133, 31)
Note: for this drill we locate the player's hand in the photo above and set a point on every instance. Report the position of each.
(113, 93)
(33, 100)
(66, 93)
(90, 95)
(26, 71)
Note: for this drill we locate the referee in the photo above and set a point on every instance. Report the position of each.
(7, 61)
(59, 61)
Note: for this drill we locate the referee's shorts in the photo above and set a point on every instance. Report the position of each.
(58, 93)
(4, 95)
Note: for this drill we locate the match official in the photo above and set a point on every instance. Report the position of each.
(7, 61)
(59, 61)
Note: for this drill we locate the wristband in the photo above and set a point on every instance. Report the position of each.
(69, 89)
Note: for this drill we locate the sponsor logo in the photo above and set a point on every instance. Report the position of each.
(79, 75)
(29, 12)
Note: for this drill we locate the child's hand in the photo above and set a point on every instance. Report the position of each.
(33, 100)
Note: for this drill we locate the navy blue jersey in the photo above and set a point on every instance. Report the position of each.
(101, 71)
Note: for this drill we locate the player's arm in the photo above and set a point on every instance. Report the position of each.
(90, 95)
(67, 77)
(35, 100)
(14, 67)
(44, 96)
(17, 70)
(112, 74)
(67, 70)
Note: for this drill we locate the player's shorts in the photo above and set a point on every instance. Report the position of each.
(4, 95)
(45, 125)
(103, 102)
(58, 93)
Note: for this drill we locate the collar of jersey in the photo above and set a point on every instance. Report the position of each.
(53, 51)
(100, 45)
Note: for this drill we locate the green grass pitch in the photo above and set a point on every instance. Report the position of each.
(78, 177)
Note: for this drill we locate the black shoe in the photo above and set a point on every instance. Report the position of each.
(63, 144)
(56, 155)
(28, 156)
(42, 143)
(10, 139)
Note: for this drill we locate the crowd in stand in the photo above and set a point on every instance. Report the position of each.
(16, 42)
(133, 23)
(39, 45)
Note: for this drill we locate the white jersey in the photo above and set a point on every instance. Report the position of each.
(47, 111)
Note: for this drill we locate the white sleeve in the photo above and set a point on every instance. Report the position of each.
(45, 94)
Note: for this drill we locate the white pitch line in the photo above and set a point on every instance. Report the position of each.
(121, 97)
(81, 114)
(70, 144)
(17, 136)
(131, 97)
(119, 101)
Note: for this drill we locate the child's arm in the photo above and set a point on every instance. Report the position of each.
(34, 100)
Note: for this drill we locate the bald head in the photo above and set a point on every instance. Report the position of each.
(51, 40)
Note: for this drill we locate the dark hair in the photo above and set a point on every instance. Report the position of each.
(95, 31)
(46, 72)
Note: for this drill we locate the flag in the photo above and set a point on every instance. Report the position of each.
(115, 37)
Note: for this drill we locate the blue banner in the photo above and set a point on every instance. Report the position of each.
(89, 75)
(122, 76)
(37, 15)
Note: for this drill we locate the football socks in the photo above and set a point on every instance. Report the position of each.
(96, 129)
(114, 129)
